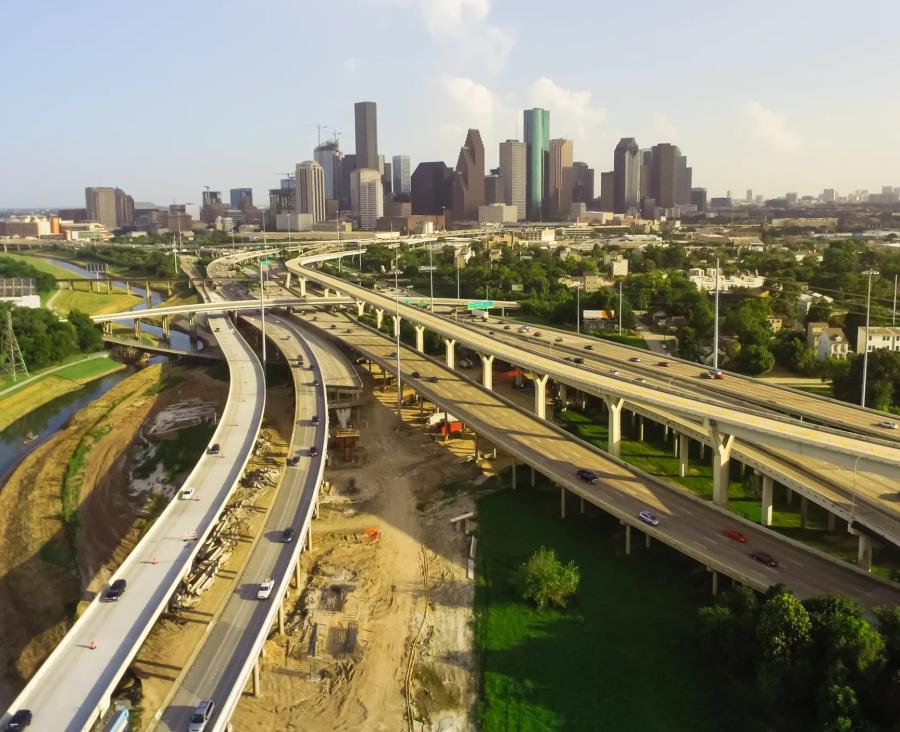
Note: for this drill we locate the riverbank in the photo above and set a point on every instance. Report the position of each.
(71, 512)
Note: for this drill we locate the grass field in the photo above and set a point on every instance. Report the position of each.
(20, 402)
(626, 340)
(624, 656)
(42, 265)
(94, 303)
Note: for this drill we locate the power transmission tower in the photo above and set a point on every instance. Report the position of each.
(11, 359)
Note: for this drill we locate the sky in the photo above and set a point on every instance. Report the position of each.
(162, 98)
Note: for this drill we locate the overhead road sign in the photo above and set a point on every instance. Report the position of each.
(480, 305)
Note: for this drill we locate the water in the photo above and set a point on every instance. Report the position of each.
(176, 338)
(47, 419)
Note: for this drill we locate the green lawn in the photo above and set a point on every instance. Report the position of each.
(82, 368)
(42, 265)
(624, 656)
(94, 303)
(626, 340)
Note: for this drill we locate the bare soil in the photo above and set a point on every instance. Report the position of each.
(382, 521)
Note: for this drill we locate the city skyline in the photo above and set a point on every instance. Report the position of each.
(773, 124)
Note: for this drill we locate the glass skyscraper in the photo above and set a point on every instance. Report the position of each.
(537, 162)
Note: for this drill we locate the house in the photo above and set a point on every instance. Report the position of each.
(879, 339)
(826, 342)
(774, 323)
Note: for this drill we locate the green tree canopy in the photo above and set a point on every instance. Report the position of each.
(544, 579)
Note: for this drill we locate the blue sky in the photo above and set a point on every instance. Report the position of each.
(162, 98)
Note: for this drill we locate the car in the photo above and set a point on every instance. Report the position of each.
(185, 494)
(537, 334)
(201, 716)
(664, 364)
(715, 374)
(433, 379)
(314, 318)
(115, 590)
(313, 451)
(888, 425)
(416, 375)
(735, 535)
(506, 327)
(332, 327)
(635, 359)
(648, 517)
(19, 720)
(287, 536)
(293, 460)
(315, 419)
(764, 558)
(315, 382)
(349, 330)
(640, 380)
(392, 354)
(558, 340)
(579, 360)
(265, 589)
(588, 476)
(614, 372)
(213, 449)
(588, 347)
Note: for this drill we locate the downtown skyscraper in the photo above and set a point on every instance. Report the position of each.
(468, 181)
(627, 176)
(365, 114)
(537, 154)
(401, 172)
(310, 190)
(512, 173)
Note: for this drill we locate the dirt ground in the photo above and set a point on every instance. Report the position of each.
(382, 520)
(39, 587)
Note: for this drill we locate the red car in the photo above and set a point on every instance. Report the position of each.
(663, 363)
(735, 535)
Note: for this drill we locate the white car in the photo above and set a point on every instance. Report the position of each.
(888, 425)
(265, 589)
(648, 517)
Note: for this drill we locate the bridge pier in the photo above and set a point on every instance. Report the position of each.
(165, 326)
(169, 289)
(379, 317)
(804, 512)
(127, 287)
(533, 476)
(396, 319)
(450, 352)
(360, 308)
(563, 394)
(487, 371)
(614, 425)
(256, 684)
(721, 454)
(684, 449)
(540, 395)
(715, 581)
(515, 481)
(420, 338)
(627, 539)
(147, 293)
(107, 327)
(302, 282)
(864, 553)
(767, 489)
(108, 287)
(832, 521)
(281, 617)
(562, 502)
(137, 327)
(640, 428)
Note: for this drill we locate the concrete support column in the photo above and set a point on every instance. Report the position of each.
(721, 454)
(326, 292)
(515, 481)
(107, 327)
(562, 502)
(627, 539)
(487, 371)
(137, 327)
(147, 293)
(309, 537)
(302, 282)
(540, 395)
(287, 280)
(109, 287)
(127, 287)
(379, 317)
(804, 512)
(281, 618)
(789, 495)
(614, 424)
(396, 319)
(297, 574)
(169, 289)
(256, 686)
(582, 505)
(192, 319)
(647, 541)
(864, 553)
(684, 449)
(563, 394)
(360, 308)
(766, 512)
(715, 581)
(450, 352)
(420, 338)
(165, 326)
(532, 476)
(640, 428)
(832, 520)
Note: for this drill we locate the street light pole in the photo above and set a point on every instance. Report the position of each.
(397, 313)
(431, 274)
(578, 309)
(620, 307)
(262, 311)
(894, 312)
(716, 323)
(862, 400)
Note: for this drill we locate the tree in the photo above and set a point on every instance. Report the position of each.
(784, 629)
(754, 360)
(820, 311)
(87, 333)
(790, 350)
(545, 579)
(882, 380)
(689, 344)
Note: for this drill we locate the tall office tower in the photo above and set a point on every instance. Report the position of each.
(366, 136)
(561, 177)
(627, 167)
(400, 170)
(124, 208)
(346, 168)
(607, 190)
(328, 155)
(493, 189)
(430, 189)
(645, 185)
(310, 190)
(583, 183)
(683, 181)
(537, 160)
(828, 196)
(368, 196)
(468, 182)
(698, 198)
(212, 198)
(749, 198)
(512, 175)
(241, 198)
(669, 175)
(387, 181)
(101, 206)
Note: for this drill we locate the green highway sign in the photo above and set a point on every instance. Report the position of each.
(265, 262)
(417, 303)
(480, 305)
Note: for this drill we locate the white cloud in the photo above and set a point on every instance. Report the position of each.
(350, 64)
(572, 113)
(769, 127)
(663, 130)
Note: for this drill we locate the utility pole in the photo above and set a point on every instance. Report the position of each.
(894, 312)
(620, 307)
(862, 400)
(431, 275)
(716, 323)
(397, 313)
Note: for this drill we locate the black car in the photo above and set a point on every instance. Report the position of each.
(416, 375)
(313, 451)
(287, 536)
(315, 419)
(332, 327)
(588, 347)
(116, 590)
(588, 476)
(764, 558)
(293, 460)
(19, 720)
(213, 449)
(433, 379)
(578, 359)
